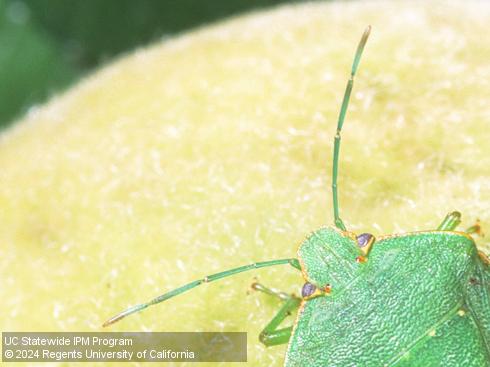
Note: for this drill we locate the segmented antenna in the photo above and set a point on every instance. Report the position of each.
(345, 103)
(207, 279)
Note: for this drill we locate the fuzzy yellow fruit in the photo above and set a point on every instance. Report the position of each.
(213, 150)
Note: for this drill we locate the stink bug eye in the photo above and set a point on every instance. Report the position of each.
(410, 299)
(308, 289)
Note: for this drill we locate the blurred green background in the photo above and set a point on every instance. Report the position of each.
(46, 45)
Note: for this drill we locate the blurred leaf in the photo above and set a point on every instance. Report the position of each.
(99, 29)
(31, 66)
(45, 44)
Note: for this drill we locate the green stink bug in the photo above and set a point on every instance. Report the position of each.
(412, 299)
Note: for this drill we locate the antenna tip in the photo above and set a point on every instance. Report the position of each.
(123, 314)
(111, 321)
(367, 31)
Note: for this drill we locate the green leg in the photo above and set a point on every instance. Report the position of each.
(451, 221)
(271, 292)
(272, 335)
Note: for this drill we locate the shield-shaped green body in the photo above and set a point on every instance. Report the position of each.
(420, 299)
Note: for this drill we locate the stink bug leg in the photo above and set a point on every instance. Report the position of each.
(271, 292)
(451, 221)
(271, 335)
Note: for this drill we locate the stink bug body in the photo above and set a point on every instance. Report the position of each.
(411, 299)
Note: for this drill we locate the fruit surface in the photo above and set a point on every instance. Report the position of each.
(213, 150)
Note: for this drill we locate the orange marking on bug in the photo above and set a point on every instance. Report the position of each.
(484, 257)
(476, 229)
(361, 259)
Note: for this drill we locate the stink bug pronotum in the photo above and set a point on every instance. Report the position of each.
(410, 299)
